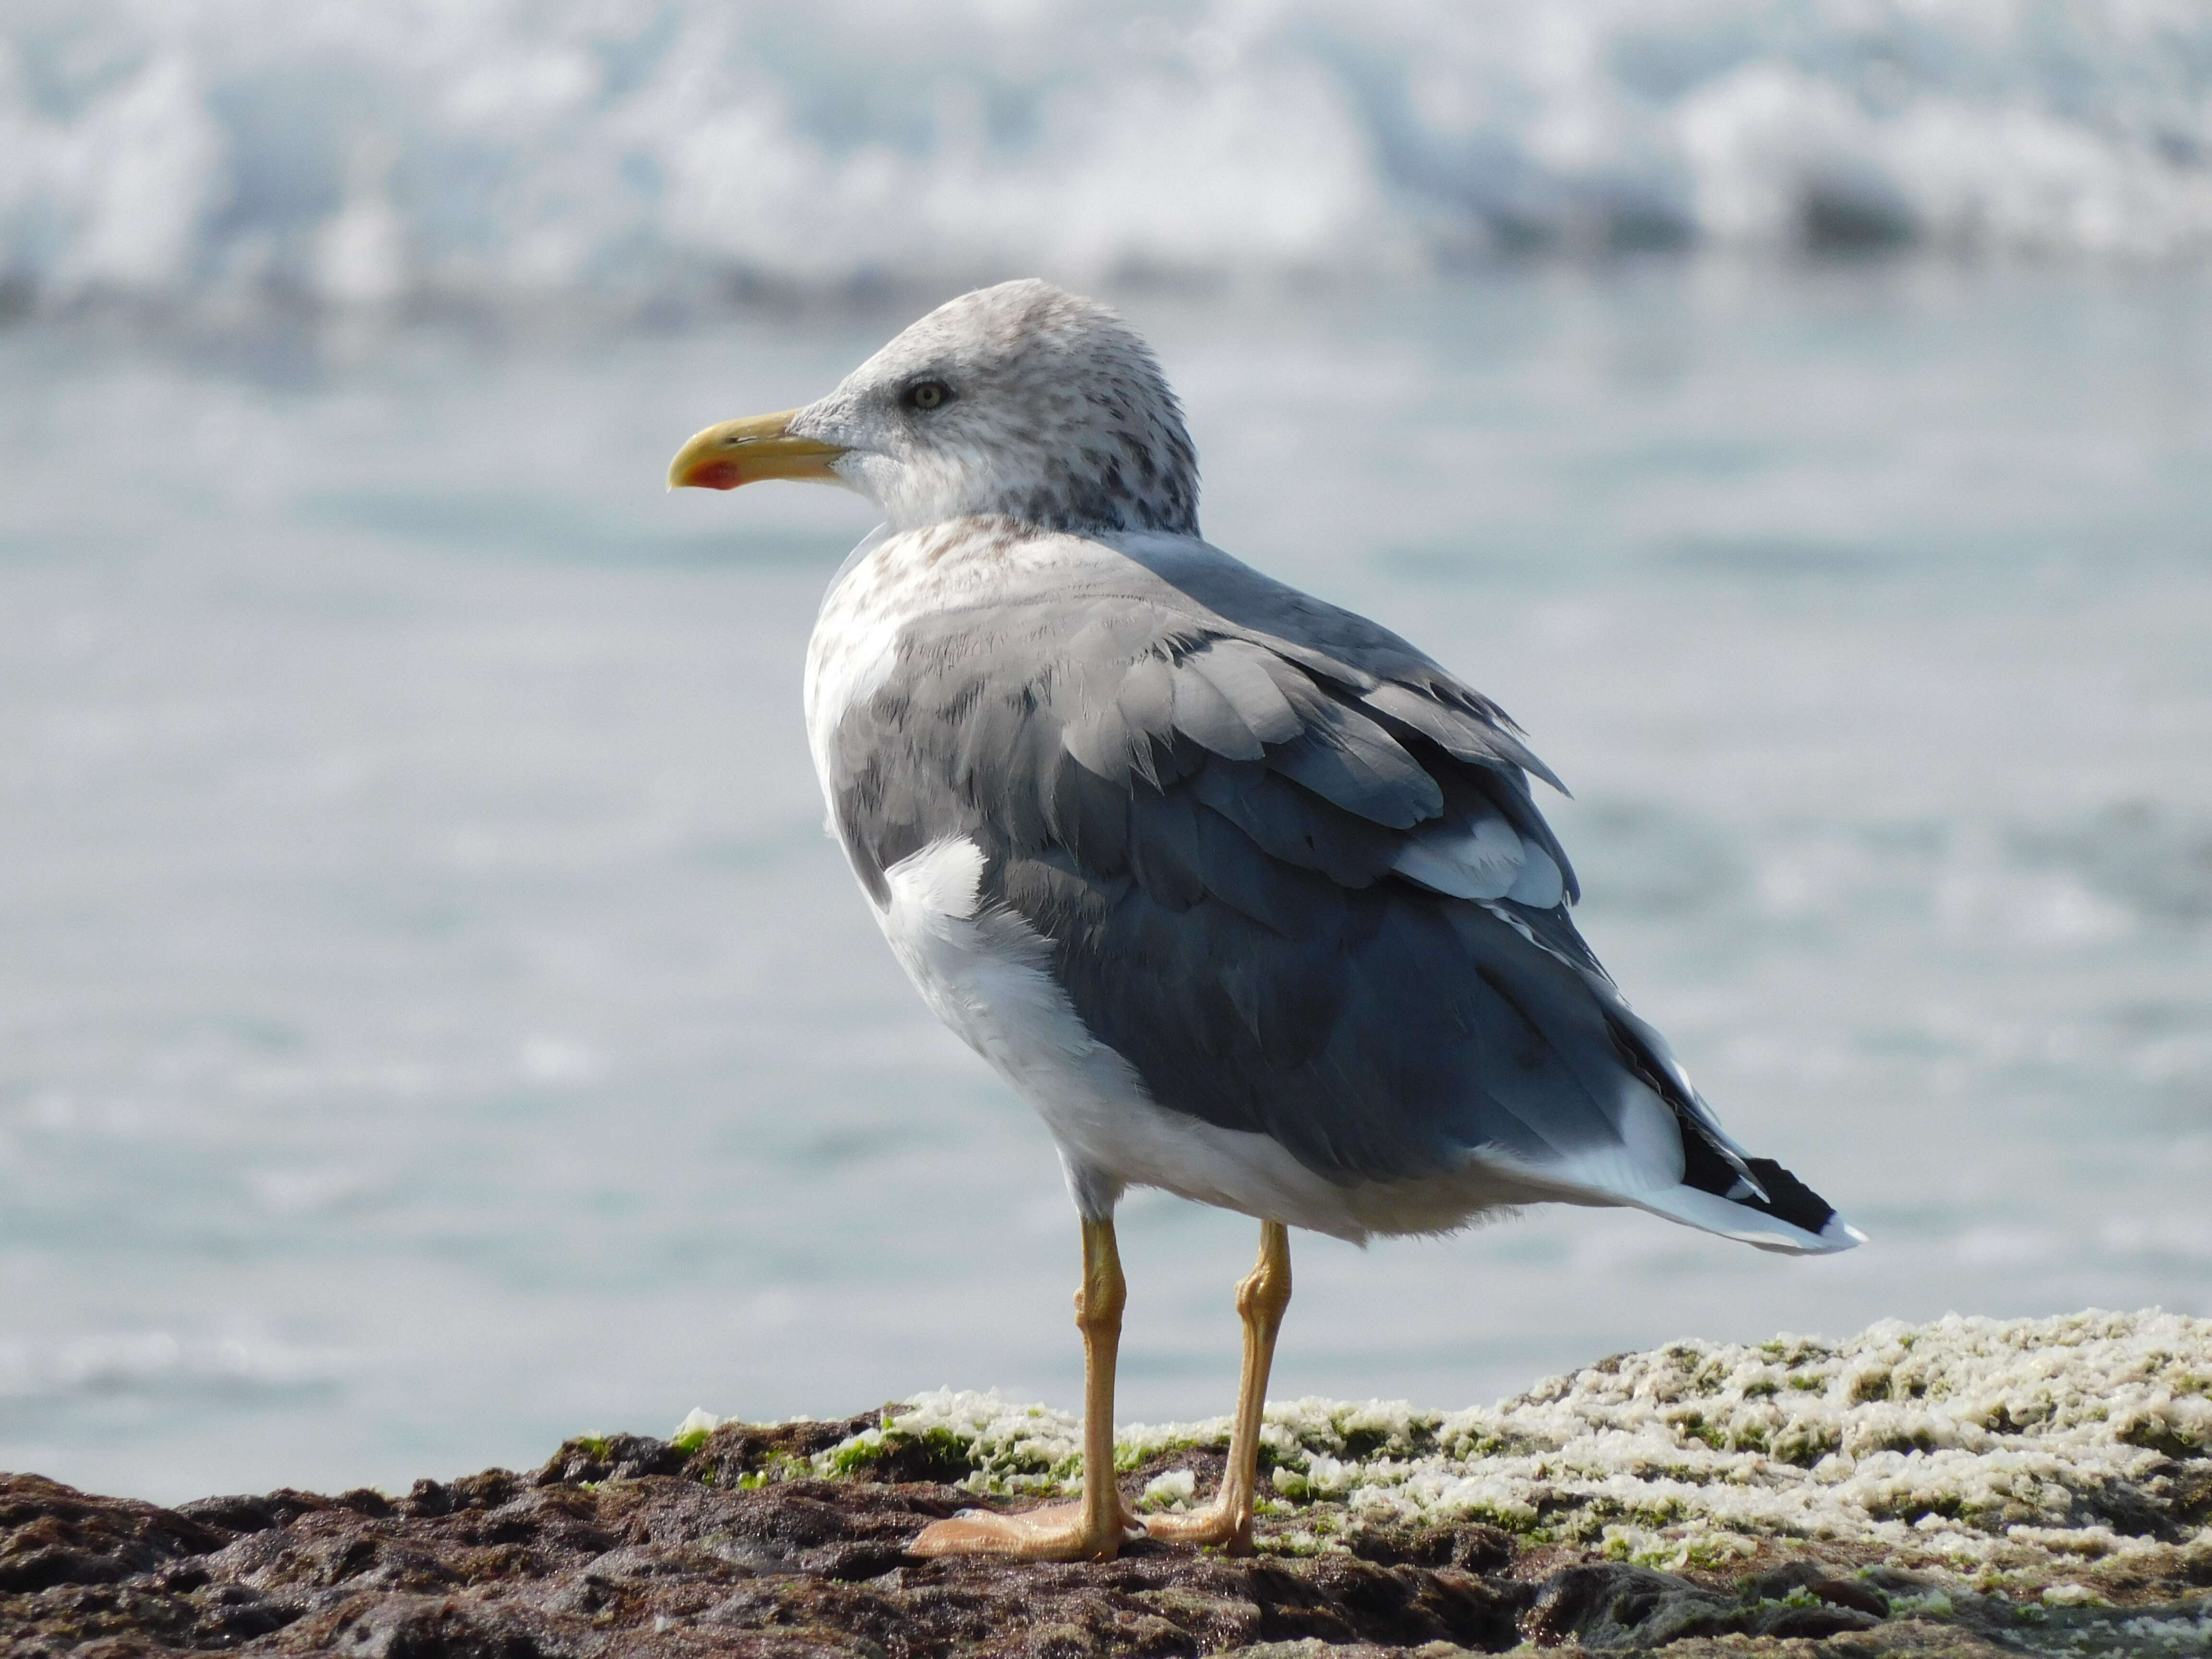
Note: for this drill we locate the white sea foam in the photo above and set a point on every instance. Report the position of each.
(643, 150)
(245, 1358)
(1974, 1442)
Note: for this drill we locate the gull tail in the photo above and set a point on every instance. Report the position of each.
(1753, 1200)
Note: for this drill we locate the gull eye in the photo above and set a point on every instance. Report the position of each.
(926, 395)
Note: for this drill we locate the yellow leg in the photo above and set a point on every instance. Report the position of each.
(1094, 1526)
(1261, 1297)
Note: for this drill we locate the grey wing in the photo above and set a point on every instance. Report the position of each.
(1314, 901)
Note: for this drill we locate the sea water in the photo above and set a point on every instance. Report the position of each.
(432, 1021)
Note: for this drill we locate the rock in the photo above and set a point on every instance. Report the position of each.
(627, 1546)
(1819, 1581)
(1608, 1606)
(1942, 1491)
(57, 1535)
(1467, 1545)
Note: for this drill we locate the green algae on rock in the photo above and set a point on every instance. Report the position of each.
(1979, 1445)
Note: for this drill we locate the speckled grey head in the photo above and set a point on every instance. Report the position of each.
(1021, 399)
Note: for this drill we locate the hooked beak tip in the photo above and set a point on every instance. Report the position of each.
(739, 451)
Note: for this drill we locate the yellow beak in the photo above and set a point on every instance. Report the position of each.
(744, 452)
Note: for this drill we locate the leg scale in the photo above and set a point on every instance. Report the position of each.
(1261, 1298)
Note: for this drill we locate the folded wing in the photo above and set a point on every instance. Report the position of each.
(1293, 871)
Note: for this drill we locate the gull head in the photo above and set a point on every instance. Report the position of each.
(1021, 400)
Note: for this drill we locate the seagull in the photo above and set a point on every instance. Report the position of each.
(1248, 898)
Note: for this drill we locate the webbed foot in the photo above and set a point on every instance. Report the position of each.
(1217, 1523)
(1059, 1532)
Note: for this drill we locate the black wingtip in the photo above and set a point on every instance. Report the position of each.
(1786, 1198)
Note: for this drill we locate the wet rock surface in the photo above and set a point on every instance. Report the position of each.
(735, 1545)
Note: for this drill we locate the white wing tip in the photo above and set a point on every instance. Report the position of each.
(1710, 1212)
(1835, 1236)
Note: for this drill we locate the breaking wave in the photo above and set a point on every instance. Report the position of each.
(645, 151)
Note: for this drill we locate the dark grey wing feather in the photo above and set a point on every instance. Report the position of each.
(1465, 734)
(1296, 827)
(1202, 818)
(1346, 758)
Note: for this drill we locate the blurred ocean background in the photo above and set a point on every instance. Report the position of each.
(432, 1021)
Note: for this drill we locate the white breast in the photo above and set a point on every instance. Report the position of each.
(855, 639)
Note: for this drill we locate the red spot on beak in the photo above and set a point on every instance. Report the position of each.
(717, 475)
